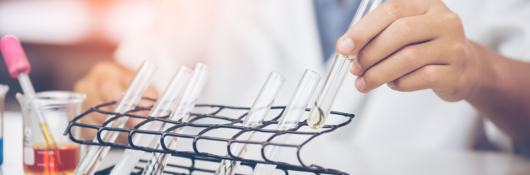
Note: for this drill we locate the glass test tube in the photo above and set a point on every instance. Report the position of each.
(322, 107)
(165, 105)
(158, 161)
(128, 101)
(290, 118)
(255, 116)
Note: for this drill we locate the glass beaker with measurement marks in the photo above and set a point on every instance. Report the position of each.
(40, 157)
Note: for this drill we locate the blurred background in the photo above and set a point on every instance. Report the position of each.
(64, 38)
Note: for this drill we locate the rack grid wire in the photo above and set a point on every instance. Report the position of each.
(196, 154)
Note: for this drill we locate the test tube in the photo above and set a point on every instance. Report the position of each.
(342, 63)
(158, 161)
(19, 68)
(165, 105)
(128, 101)
(290, 117)
(255, 116)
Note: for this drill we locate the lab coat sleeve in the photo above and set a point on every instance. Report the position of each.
(176, 36)
(505, 27)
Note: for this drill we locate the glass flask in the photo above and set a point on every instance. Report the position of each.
(3, 90)
(58, 108)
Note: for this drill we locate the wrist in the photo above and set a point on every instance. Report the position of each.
(502, 93)
(485, 74)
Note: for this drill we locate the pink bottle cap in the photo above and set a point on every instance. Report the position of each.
(14, 56)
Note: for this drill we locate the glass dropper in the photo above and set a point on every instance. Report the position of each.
(19, 68)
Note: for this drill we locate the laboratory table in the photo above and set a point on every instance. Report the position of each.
(354, 160)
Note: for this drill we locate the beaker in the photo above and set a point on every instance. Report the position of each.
(3, 90)
(58, 108)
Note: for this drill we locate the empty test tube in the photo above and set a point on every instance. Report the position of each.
(165, 105)
(158, 161)
(255, 116)
(290, 117)
(322, 107)
(128, 101)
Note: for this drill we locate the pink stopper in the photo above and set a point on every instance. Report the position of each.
(14, 56)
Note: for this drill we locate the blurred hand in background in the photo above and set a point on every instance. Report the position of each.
(104, 83)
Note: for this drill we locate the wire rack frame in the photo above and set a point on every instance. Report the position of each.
(196, 154)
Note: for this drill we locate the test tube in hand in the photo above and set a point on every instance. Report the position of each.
(342, 63)
(290, 118)
(128, 101)
(158, 161)
(254, 118)
(19, 68)
(165, 105)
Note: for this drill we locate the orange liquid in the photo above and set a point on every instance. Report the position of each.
(59, 161)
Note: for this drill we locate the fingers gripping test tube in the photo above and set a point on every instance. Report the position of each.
(128, 101)
(342, 63)
(158, 161)
(290, 117)
(255, 116)
(165, 105)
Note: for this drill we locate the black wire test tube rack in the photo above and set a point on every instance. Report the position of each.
(196, 154)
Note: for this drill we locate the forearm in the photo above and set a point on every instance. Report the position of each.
(503, 92)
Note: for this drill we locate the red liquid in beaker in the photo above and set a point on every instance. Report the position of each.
(46, 163)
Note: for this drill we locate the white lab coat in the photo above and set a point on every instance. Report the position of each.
(243, 40)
